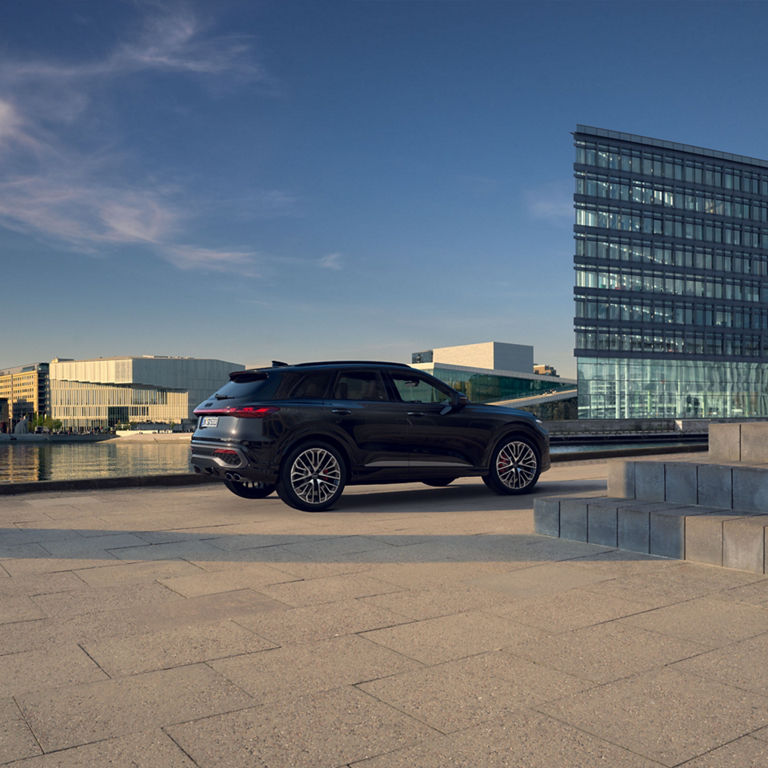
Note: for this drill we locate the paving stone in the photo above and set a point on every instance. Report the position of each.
(294, 671)
(680, 483)
(567, 611)
(549, 578)
(16, 741)
(32, 670)
(327, 590)
(451, 637)
(715, 485)
(746, 752)
(126, 573)
(462, 693)
(573, 519)
(708, 621)
(740, 664)
(434, 602)
(246, 575)
(673, 584)
(39, 584)
(517, 739)
(744, 543)
(19, 608)
(120, 656)
(621, 479)
(90, 600)
(96, 546)
(604, 652)
(664, 715)
(332, 728)
(78, 714)
(143, 750)
(317, 622)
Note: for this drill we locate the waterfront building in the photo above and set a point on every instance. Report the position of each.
(85, 394)
(490, 371)
(25, 390)
(671, 261)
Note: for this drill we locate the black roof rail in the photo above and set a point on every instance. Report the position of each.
(354, 362)
(279, 364)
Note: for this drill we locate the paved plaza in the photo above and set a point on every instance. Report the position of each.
(409, 627)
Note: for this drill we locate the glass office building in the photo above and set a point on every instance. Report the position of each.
(671, 255)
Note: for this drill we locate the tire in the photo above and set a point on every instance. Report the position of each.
(439, 483)
(515, 466)
(250, 489)
(312, 477)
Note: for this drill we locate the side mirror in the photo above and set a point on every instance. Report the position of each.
(454, 404)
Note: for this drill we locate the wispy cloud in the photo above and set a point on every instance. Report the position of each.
(331, 261)
(65, 183)
(551, 202)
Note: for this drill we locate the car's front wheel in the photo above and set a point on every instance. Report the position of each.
(515, 466)
(250, 489)
(312, 477)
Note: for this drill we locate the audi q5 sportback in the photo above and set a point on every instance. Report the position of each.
(308, 430)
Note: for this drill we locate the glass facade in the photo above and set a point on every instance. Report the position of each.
(671, 283)
(481, 387)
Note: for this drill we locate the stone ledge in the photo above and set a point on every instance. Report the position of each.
(728, 538)
(742, 486)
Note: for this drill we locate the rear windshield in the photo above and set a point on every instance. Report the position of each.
(248, 384)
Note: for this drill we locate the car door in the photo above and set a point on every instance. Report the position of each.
(377, 426)
(440, 437)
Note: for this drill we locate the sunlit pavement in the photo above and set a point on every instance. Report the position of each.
(411, 626)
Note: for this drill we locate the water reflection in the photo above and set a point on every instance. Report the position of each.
(29, 463)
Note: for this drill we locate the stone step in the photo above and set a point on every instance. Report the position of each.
(729, 538)
(727, 486)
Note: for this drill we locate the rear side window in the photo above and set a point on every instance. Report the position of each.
(312, 385)
(246, 385)
(359, 385)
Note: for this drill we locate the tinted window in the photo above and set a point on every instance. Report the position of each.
(309, 386)
(414, 389)
(244, 385)
(359, 385)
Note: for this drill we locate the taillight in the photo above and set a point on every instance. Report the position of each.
(242, 412)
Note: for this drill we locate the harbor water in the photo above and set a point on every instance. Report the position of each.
(26, 462)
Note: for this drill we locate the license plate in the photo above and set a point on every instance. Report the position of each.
(210, 421)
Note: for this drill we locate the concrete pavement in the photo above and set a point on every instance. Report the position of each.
(411, 626)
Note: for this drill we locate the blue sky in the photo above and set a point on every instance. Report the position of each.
(252, 180)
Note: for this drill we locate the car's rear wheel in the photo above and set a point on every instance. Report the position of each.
(515, 466)
(439, 483)
(250, 489)
(312, 477)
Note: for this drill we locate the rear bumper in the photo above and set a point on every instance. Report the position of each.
(230, 461)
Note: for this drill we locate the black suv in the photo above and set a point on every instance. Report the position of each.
(308, 430)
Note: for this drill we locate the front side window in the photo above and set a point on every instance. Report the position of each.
(414, 389)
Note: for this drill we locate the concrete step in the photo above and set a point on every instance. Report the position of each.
(726, 486)
(729, 538)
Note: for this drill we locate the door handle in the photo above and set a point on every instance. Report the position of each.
(416, 413)
(341, 411)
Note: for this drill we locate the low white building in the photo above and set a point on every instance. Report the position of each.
(118, 390)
